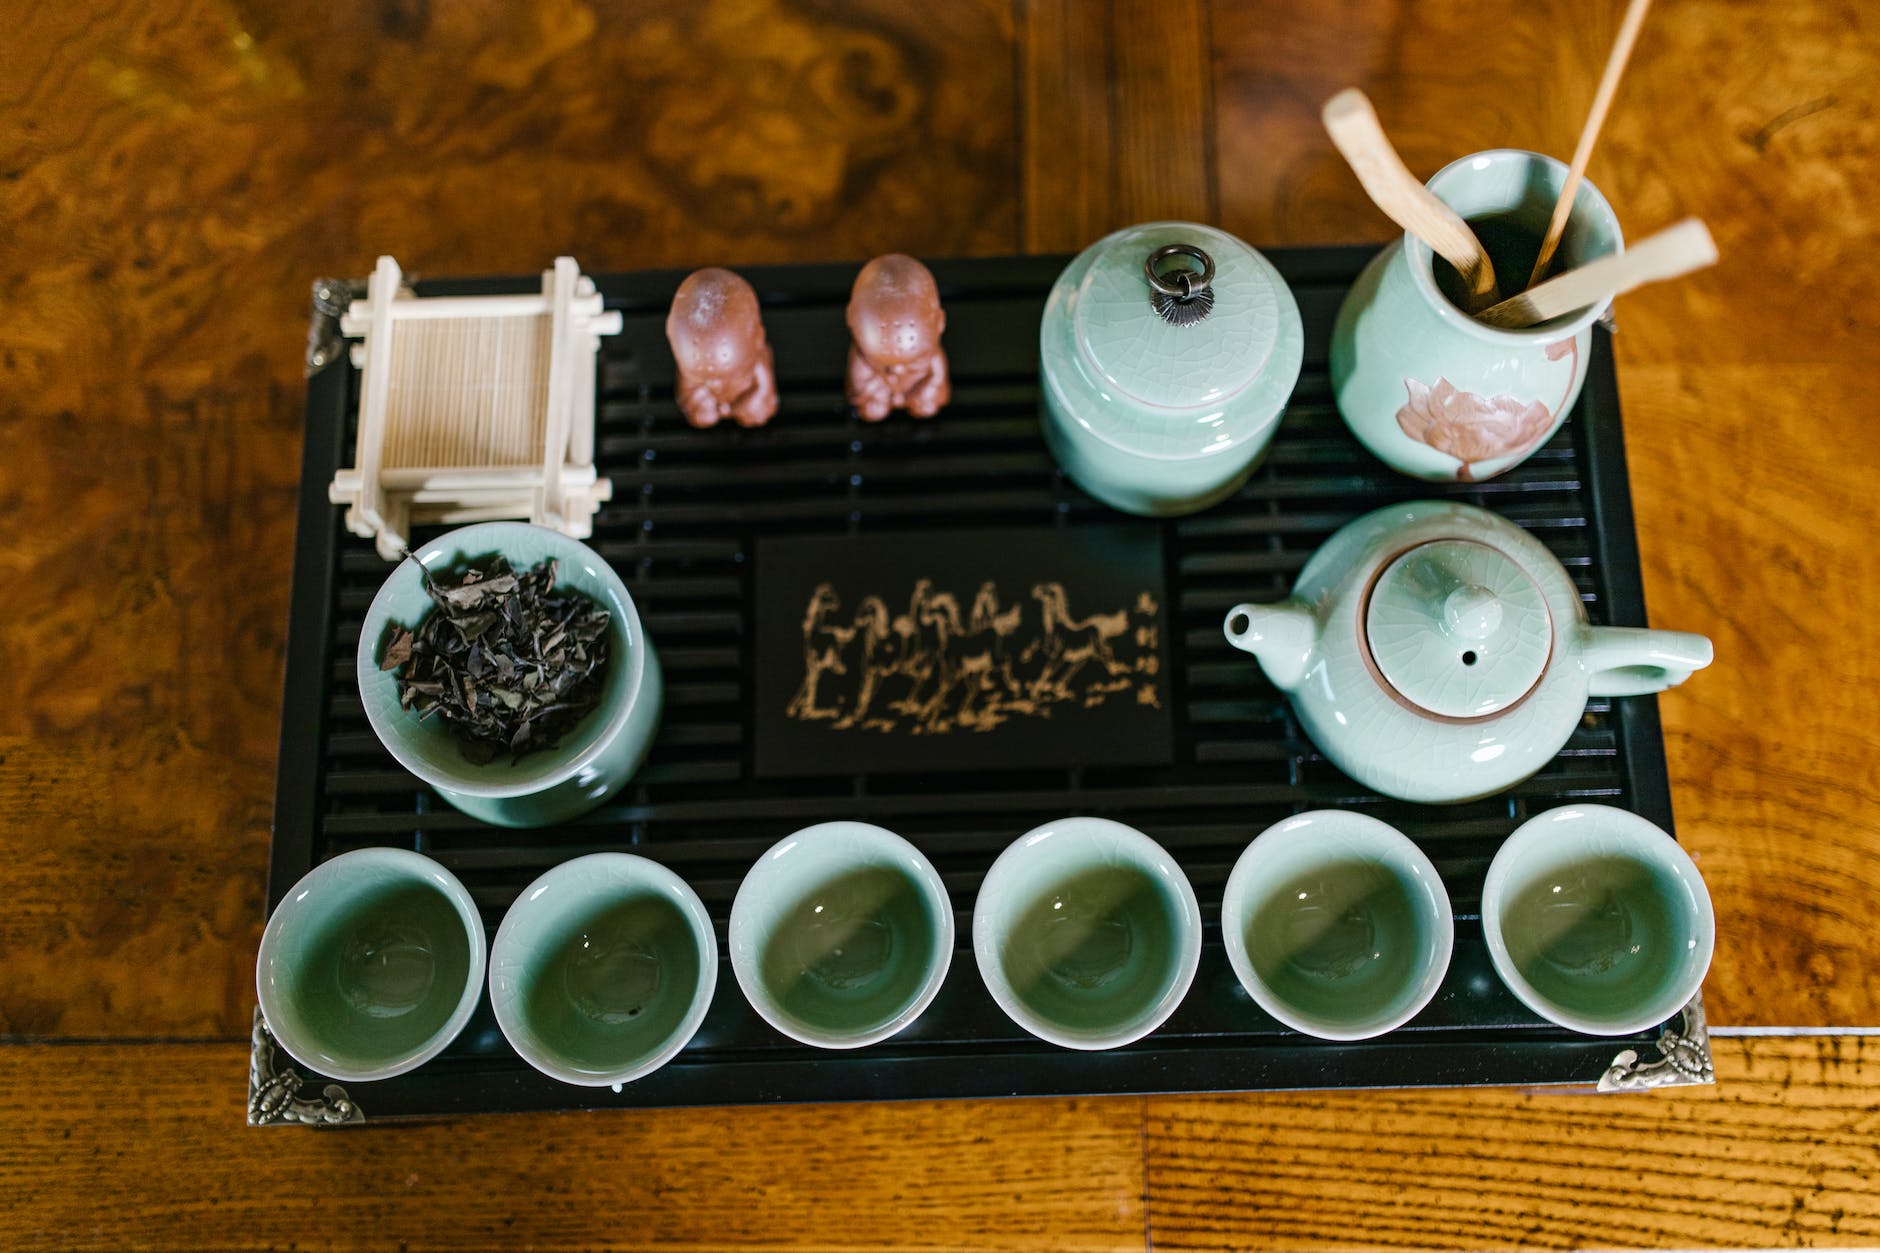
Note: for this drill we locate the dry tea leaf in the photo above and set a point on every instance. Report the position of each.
(508, 660)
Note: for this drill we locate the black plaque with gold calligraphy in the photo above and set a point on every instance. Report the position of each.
(961, 650)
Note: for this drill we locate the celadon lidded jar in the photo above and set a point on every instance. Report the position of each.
(1168, 352)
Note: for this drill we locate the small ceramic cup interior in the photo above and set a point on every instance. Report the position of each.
(603, 969)
(841, 935)
(1337, 925)
(1597, 920)
(1087, 933)
(592, 761)
(371, 964)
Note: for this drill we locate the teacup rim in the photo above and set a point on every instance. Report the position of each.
(1541, 828)
(632, 868)
(1310, 825)
(466, 539)
(743, 952)
(1144, 851)
(432, 872)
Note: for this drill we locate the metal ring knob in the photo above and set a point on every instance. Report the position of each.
(1183, 296)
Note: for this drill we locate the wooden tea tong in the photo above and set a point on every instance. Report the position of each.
(1354, 128)
(1673, 251)
(1589, 133)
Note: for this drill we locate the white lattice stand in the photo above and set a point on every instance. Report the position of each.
(474, 407)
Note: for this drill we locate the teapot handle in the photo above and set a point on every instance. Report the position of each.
(1634, 661)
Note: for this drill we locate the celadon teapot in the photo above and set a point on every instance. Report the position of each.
(1436, 652)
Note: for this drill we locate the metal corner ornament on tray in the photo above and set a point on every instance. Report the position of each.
(1683, 1057)
(274, 1090)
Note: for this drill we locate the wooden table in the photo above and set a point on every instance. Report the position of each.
(172, 175)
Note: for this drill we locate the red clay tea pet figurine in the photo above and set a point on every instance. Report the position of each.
(717, 338)
(896, 361)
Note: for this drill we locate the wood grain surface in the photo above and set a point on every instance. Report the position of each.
(141, 1146)
(174, 173)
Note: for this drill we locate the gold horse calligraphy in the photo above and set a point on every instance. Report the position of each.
(933, 669)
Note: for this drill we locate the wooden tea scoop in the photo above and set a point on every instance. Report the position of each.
(1354, 128)
(1673, 251)
(1589, 133)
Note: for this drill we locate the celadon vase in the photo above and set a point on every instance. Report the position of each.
(1436, 394)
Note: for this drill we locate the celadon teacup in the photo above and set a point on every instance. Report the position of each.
(603, 969)
(841, 935)
(592, 762)
(1337, 925)
(1087, 933)
(371, 964)
(1597, 920)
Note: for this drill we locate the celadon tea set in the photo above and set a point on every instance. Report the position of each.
(1433, 651)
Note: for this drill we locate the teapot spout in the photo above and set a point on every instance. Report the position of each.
(1282, 636)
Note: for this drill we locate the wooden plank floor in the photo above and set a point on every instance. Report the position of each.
(142, 1146)
(174, 173)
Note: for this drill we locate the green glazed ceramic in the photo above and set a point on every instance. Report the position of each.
(1428, 389)
(1437, 652)
(1337, 925)
(592, 762)
(1597, 920)
(371, 964)
(841, 935)
(1156, 418)
(603, 969)
(1087, 933)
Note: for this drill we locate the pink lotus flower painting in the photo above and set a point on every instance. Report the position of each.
(1474, 428)
(1468, 427)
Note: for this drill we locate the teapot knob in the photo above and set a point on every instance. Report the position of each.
(1472, 611)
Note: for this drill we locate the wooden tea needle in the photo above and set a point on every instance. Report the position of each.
(1354, 128)
(1673, 251)
(1589, 133)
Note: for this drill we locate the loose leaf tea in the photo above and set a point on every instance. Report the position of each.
(508, 660)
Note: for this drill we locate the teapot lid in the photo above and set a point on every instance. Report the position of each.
(1189, 340)
(1458, 628)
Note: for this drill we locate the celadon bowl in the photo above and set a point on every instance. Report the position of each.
(1597, 920)
(603, 969)
(592, 762)
(1087, 933)
(371, 964)
(841, 935)
(1337, 925)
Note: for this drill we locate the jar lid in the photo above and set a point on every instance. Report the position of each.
(1458, 628)
(1176, 372)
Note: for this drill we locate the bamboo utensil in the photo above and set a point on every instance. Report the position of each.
(1673, 251)
(1589, 133)
(1354, 128)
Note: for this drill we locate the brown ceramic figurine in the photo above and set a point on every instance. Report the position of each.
(896, 361)
(717, 338)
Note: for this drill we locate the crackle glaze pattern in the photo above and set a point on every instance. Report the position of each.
(1460, 669)
(1399, 347)
(810, 864)
(1041, 871)
(1551, 846)
(1291, 851)
(1313, 647)
(537, 929)
(1160, 419)
(321, 901)
(592, 762)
